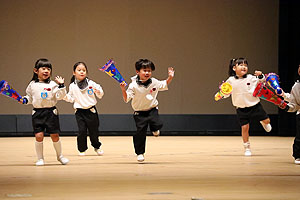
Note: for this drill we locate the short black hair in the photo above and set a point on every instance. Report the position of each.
(143, 64)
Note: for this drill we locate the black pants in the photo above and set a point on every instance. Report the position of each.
(87, 121)
(143, 119)
(296, 145)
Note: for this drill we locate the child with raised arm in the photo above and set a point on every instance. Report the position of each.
(143, 91)
(83, 92)
(43, 94)
(294, 105)
(248, 107)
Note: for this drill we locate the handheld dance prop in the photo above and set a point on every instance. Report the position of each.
(8, 91)
(110, 69)
(225, 89)
(265, 93)
(272, 80)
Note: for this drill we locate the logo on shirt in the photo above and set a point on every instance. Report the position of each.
(90, 91)
(152, 90)
(44, 95)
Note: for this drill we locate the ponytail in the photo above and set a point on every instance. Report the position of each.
(232, 63)
(72, 79)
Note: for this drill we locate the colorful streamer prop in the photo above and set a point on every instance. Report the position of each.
(110, 69)
(263, 92)
(272, 80)
(225, 89)
(8, 91)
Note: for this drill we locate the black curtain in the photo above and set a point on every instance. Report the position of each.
(289, 58)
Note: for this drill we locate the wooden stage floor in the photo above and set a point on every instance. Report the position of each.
(201, 167)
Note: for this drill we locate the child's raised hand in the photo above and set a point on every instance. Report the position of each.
(123, 85)
(171, 71)
(59, 80)
(258, 73)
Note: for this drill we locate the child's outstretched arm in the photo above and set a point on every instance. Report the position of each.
(69, 97)
(224, 92)
(171, 73)
(123, 89)
(27, 99)
(292, 105)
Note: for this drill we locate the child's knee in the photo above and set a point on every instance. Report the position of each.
(55, 137)
(39, 137)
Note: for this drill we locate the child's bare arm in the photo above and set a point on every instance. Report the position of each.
(123, 89)
(171, 73)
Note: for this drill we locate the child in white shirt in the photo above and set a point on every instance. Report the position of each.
(43, 94)
(294, 105)
(143, 91)
(247, 106)
(82, 92)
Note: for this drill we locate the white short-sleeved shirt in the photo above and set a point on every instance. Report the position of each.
(85, 98)
(242, 91)
(44, 95)
(144, 98)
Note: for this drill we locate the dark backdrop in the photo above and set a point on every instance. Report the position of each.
(289, 60)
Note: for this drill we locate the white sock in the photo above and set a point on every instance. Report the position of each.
(39, 150)
(57, 147)
(247, 145)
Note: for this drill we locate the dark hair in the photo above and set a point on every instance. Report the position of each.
(42, 62)
(234, 62)
(143, 64)
(74, 69)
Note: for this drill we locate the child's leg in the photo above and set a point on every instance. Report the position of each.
(139, 139)
(155, 122)
(56, 143)
(245, 133)
(245, 136)
(296, 145)
(92, 121)
(82, 132)
(260, 114)
(266, 121)
(266, 124)
(58, 149)
(39, 146)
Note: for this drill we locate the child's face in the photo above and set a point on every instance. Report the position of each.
(144, 74)
(43, 73)
(241, 69)
(80, 72)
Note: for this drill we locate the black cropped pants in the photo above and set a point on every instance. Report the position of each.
(143, 119)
